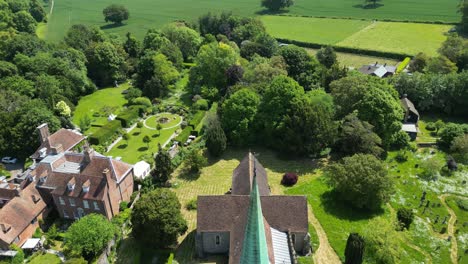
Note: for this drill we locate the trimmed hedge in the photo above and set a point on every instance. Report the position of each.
(376, 53)
(128, 117)
(183, 136)
(403, 65)
(196, 119)
(105, 133)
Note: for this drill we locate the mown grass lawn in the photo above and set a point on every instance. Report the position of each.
(356, 60)
(95, 104)
(45, 259)
(135, 149)
(408, 38)
(315, 30)
(146, 14)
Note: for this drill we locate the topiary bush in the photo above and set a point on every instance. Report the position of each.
(289, 179)
(191, 205)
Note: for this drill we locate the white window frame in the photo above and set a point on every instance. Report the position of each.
(72, 201)
(61, 201)
(96, 206)
(85, 204)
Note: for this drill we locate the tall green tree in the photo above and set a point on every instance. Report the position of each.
(354, 250)
(185, 38)
(194, 160)
(132, 46)
(162, 166)
(105, 63)
(441, 64)
(418, 63)
(361, 180)
(214, 136)
(464, 12)
(115, 13)
(383, 242)
(238, 115)
(24, 22)
(301, 66)
(326, 56)
(81, 37)
(89, 236)
(37, 11)
(276, 5)
(356, 136)
(157, 220)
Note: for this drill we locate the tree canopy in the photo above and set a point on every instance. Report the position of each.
(276, 5)
(115, 13)
(157, 220)
(89, 235)
(360, 180)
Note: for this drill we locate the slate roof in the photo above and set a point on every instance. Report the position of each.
(408, 105)
(242, 177)
(377, 69)
(65, 137)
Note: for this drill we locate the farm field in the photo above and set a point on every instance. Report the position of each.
(357, 60)
(314, 30)
(406, 38)
(146, 14)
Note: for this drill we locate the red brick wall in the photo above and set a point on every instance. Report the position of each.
(126, 187)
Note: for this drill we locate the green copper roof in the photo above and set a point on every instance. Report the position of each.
(254, 248)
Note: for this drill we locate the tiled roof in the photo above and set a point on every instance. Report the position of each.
(19, 212)
(408, 105)
(65, 137)
(242, 177)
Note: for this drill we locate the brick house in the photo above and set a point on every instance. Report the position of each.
(74, 183)
(249, 224)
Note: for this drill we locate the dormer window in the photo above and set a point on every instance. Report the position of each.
(71, 185)
(86, 186)
(42, 179)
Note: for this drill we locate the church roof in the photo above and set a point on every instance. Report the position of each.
(254, 248)
(242, 178)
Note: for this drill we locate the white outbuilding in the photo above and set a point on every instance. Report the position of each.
(141, 169)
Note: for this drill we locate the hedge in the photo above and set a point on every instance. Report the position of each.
(129, 116)
(403, 65)
(105, 133)
(196, 119)
(183, 136)
(438, 22)
(376, 53)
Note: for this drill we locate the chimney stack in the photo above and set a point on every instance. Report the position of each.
(43, 132)
(5, 228)
(56, 149)
(88, 153)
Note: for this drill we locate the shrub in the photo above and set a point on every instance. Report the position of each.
(123, 205)
(431, 168)
(37, 233)
(462, 203)
(403, 65)
(191, 205)
(400, 140)
(129, 116)
(105, 133)
(141, 101)
(405, 217)
(201, 104)
(19, 257)
(401, 156)
(430, 126)
(133, 196)
(289, 179)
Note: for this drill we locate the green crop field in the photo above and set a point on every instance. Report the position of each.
(146, 14)
(398, 37)
(409, 38)
(314, 30)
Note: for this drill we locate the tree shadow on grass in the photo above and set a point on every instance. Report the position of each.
(269, 12)
(189, 175)
(122, 146)
(155, 136)
(142, 148)
(109, 26)
(369, 6)
(340, 209)
(136, 133)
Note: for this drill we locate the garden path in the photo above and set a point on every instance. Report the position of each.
(451, 229)
(325, 254)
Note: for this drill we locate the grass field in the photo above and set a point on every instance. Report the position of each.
(315, 30)
(93, 105)
(45, 259)
(146, 14)
(408, 38)
(357, 60)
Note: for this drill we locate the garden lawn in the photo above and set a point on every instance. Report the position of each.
(146, 14)
(174, 120)
(45, 259)
(406, 38)
(314, 30)
(136, 149)
(357, 60)
(95, 105)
